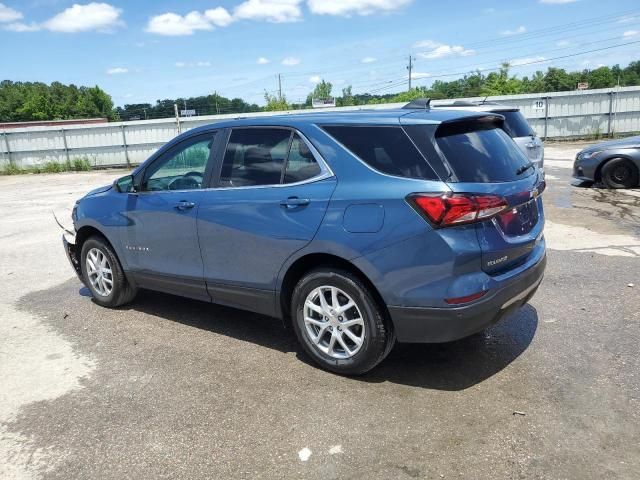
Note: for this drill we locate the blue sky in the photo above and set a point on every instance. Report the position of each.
(140, 51)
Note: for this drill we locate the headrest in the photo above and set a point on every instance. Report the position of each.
(256, 155)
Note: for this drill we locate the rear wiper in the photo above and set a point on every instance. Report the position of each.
(524, 168)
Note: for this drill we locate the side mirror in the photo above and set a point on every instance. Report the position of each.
(125, 184)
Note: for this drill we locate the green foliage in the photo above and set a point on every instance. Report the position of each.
(322, 90)
(275, 104)
(31, 101)
(78, 164)
(213, 104)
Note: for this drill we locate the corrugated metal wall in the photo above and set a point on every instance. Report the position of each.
(552, 115)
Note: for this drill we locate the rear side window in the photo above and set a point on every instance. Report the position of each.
(481, 153)
(515, 124)
(254, 156)
(386, 149)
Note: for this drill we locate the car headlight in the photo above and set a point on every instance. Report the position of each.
(588, 155)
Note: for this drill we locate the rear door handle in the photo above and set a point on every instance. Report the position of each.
(293, 202)
(184, 205)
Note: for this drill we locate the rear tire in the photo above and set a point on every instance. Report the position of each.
(620, 173)
(345, 340)
(103, 274)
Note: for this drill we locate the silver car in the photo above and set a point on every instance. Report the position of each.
(514, 124)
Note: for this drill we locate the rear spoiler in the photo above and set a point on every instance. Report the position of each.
(480, 121)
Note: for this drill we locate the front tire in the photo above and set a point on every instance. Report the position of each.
(619, 173)
(103, 275)
(339, 323)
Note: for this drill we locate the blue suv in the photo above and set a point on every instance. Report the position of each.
(356, 228)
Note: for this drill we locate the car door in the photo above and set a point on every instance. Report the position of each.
(271, 194)
(161, 242)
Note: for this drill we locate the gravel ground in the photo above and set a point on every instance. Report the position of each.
(174, 388)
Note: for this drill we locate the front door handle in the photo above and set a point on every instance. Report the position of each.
(293, 202)
(184, 205)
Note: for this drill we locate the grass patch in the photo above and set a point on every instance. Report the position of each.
(78, 164)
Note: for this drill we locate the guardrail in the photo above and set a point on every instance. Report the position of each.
(554, 115)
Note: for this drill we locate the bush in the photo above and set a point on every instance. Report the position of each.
(81, 164)
(11, 169)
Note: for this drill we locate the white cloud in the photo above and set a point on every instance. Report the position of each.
(368, 60)
(563, 43)
(517, 62)
(100, 17)
(434, 50)
(192, 64)
(8, 14)
(219, 16)
(354, 7)
(22, 27)
(172, 24)
(630, 33)
(489, 10)
(315, 79)
(520, 29)
(419, 75)
(117, 70)
(291, 61)
(262, 61)
(276, 11)
(557, 2)
(628, 19)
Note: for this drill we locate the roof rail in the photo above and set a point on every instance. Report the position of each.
(418, 104)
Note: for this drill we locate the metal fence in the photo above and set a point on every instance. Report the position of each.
(602, 112)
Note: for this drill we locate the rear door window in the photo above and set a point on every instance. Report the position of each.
(301, 164)
(386, 149)
(254, 157)
(481, 153)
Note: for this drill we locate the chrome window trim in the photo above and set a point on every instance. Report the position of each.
(325, 170)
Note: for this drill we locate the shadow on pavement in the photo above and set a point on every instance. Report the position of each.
(450, 366)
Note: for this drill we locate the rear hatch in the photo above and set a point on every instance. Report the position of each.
(481, 159)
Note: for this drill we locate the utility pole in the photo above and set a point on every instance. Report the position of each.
(215, 94)
(175, 109)
(410, 68)
(145, 113)
(279, 87)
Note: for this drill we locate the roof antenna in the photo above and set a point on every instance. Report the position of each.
(419, 104)
(484, 100)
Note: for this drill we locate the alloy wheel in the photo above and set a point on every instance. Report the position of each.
(99, 272)
(333, 322)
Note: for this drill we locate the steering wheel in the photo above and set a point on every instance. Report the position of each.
(186, 182)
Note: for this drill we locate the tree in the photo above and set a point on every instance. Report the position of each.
(321, 91)
(275, 104)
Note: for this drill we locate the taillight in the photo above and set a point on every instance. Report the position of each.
(443, 210)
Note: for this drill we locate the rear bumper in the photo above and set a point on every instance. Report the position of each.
(435, 325)
(72, 254)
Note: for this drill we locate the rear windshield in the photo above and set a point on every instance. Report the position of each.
(481, 153)
(386, 149)
(515, 124)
